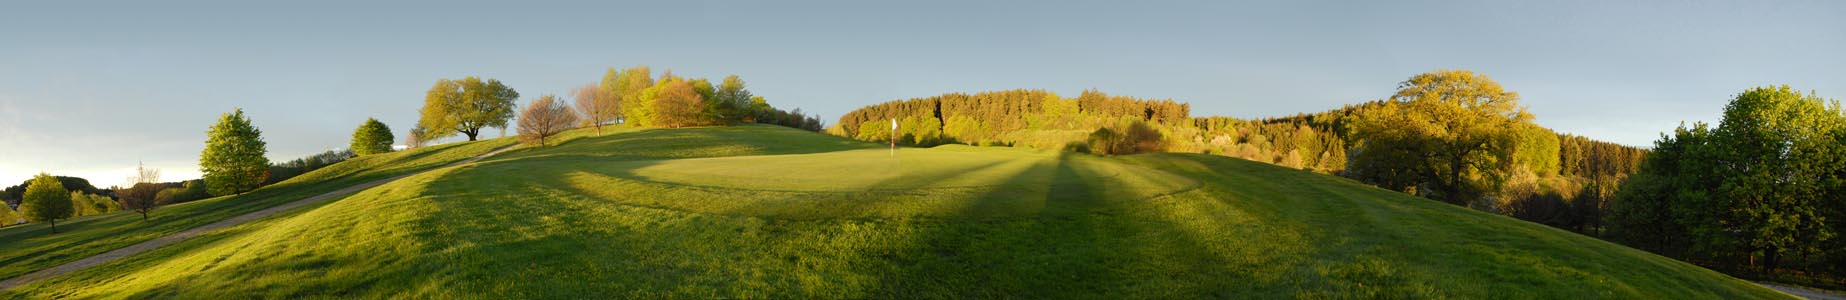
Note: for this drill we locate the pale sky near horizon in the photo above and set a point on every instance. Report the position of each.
(88, 88)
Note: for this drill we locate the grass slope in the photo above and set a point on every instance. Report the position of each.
(764, 212)
(31, 247)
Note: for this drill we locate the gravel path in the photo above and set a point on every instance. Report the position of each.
(196, 231)
(1805, 293)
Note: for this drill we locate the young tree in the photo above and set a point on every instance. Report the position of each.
(143, 192)
(46, 201)
(233, 160)
(372, 137)
(466, 105)
(1446, 128)
(543, 118)
(678, 105)
(597, 106)
(416, 138)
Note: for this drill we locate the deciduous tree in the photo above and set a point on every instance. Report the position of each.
(678, 105)
(1448, 128)
(46, 201)
(467, 105)
(731, 102)
(417, 137)
(372, 137)
(598, 106)
(233, 160)
(143, 192)
(630, 86)
(543, 118)
(1762, 186)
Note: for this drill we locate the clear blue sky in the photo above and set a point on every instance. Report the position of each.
(88, 88)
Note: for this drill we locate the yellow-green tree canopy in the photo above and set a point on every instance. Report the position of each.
(233, 160)
(628, 85)
(1447, 130)
(372, 137)
(8, 216)
(465, 106)
(677, 103)
(46, 201)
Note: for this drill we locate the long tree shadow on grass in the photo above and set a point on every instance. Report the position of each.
(1079, 245)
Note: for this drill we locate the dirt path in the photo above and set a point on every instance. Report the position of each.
(196, 231)
(1805, 293)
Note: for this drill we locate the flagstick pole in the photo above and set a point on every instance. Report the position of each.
(893, 137)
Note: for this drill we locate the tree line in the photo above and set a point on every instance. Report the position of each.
(1012, 117)
(1764, 191)
(1450, 135)
(632, 96)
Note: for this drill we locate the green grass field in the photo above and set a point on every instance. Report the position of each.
(769, 212)
(31, 247)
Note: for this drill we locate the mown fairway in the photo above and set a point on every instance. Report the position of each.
(769, 212)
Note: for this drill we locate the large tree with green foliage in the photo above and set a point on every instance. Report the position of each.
(465, 106)
(372, 137)
(233, 160)
(1449, 129)
(1781, 156)
(1762, 186)
(46, 201)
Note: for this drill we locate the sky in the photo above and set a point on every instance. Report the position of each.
(91, 88)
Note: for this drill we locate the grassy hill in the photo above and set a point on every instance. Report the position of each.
(27, 248)
(759, 212)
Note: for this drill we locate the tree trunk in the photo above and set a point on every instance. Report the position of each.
(1769, 260)
(54, 226)
(143, 216)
